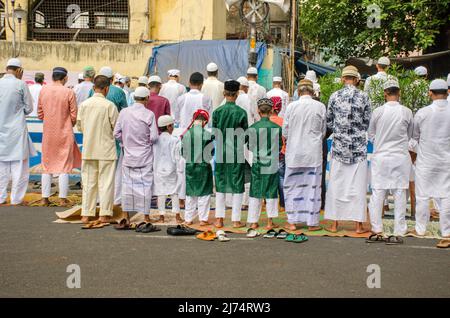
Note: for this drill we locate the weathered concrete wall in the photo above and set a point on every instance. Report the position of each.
(129, 59)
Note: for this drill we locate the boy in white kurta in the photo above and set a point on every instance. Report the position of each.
(167, 155)
(432, 135)
(390, 129)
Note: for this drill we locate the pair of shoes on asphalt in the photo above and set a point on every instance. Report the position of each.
(181, 230)
(145, 227)
(281, 234)
(390, 240)
(211, 236)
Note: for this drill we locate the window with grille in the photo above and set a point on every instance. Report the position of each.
(2, 21)
(79, 20)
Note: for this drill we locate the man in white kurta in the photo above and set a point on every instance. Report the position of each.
(35, 91)
(184, 109)
(255, 91)
(277, 83)
(172, 89)
(432, 174)
(15, 144)
(165, 166)
(390, 130)
(312, 76)
(348, 117)
(304, 127)
(83, 89)
(212, 87)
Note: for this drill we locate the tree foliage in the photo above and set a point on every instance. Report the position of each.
(341, 28)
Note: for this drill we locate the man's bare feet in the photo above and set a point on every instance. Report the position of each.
(105, 219)
(414, 232)
(161, 219)
(291, 227)
(188, 223)
(253, 226)
(204, 223)
(147, 218)
(44, 202)
(182, 204)
(314, 228)
(219, 223)
(85, 219)
(360, 229)
(238, 225)
(178, 218)
(333, 228)
(63, 202)
(244, 207)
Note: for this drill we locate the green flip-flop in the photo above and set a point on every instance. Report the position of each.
(300, 238)
(290, 237)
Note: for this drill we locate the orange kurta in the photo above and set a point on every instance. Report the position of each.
(57, 107)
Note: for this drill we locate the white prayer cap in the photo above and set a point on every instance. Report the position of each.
(123, 80)
(141, 92)
(438, 84)
(448, 80)
(173, 72)
(212, 67)
(155, 78)
(165, 120)
(311, 75)
(81, 76)
(143, 80)
(421, 71)
(243, 81)
(14, 62)
(384, 61)
(391, 84)
(252, 71)
(106, 71)
(277, 79)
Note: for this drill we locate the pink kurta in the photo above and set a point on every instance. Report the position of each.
(57, 107)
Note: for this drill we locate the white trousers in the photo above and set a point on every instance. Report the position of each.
(236, 208)
(254, 209)
(162, 204)
(377, 201)
(18, 173)
(245, 199)
(194, 204)
(423, 215)
(63, 185)
(118, 181)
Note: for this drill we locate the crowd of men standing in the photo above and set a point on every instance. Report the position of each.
(142, 143)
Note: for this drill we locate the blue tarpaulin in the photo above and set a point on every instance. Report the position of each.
(231, 56)
(303, 66)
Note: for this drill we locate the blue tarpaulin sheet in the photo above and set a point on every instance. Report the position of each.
(303, 66)
(231, 56)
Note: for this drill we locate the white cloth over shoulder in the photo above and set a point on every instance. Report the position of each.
(304, 128)
(167, 155)
(432, 135)
(15, 104)
(390, 129)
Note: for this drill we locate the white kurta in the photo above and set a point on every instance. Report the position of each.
(167, 155)
(172, 90)
(284, 98)
(379, 76)
(304, 128)
(390, 129)
(213, 88)
(432, 134)
(15, 104)
(35, 90)
(188, 104)
(255, 93)
(82, 91)
(243, 101)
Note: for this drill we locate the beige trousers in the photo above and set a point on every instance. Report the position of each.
(98, 180)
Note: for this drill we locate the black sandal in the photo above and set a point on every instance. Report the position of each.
(140, 226)
(375, 238)
(148, 228)
(394, 240)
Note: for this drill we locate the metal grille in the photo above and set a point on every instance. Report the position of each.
(2, 21)
(79, 20)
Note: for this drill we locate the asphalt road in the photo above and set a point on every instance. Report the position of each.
(35, 253)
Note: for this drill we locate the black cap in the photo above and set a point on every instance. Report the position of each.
(232, 86)
(59, 70)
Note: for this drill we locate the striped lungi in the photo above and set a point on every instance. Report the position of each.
(302, 195)
(137, 189)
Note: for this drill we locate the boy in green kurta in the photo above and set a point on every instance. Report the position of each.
(199, 177)
(264, 139)
(230, 122)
